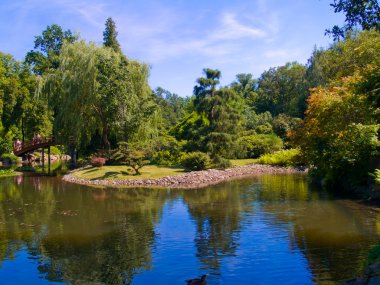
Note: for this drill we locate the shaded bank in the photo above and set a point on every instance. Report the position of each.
(195, 179)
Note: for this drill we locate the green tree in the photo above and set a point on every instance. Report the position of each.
(343, 58)
(222, 107)
(359, 14)
(98, 91)
(110, 36)
(283, 90)
(173, 106)
(47, 47)
(21, 113)
(338, 137)
(246, 86)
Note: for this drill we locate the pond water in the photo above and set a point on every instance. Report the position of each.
(270, 229)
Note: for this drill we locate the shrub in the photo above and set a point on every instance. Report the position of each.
(221, 162)
(164, 157)
(195, 161)
(98, 161)
(166, 150)
(289, 157)
(256, 145)
(9, 156)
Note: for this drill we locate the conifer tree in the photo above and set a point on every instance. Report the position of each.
(110, 36)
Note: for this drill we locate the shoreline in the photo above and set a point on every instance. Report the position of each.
(188, 180)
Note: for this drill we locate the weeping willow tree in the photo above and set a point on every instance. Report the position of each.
(97, 91)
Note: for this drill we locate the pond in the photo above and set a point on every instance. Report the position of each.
(272, 229)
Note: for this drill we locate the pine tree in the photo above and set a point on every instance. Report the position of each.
(110, 36)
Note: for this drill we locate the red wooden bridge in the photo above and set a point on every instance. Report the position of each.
(22, 148)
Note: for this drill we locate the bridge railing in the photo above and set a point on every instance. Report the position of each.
(37, 142)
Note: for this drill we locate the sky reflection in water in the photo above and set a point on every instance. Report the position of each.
(264, 230)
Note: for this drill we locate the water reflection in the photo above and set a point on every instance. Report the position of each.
(256, 231)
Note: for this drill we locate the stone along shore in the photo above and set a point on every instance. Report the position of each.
(194, 179)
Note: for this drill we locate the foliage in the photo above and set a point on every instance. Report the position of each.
(377, 176)
(217, 115)
(338, 137)
(134, 158)
(98, 161)
(255, 120)
(173, 107)
(221, 162)
(166, 150)
(194, 161)
(283, 90)
(6, 145)
(9, 156)
(47, 47)
(21, 114)
(254, 146)
(283, 124)
(246, 86)
(96, 91)
(359, 13)
(288, 157)
(110, 36)
(344, 58)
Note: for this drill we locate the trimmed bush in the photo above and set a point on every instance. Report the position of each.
(196, 161)
(289, 157)
(98, 161)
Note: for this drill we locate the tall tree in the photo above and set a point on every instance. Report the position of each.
(47, 47)
(110, 36)
(99, 92)
(283, 90)
(359, 14)
(218, 115)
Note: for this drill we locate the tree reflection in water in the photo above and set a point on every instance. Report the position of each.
(82, 235)
(76, 235)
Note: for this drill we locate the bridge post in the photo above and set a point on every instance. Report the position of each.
(49, 159)
(43, 159)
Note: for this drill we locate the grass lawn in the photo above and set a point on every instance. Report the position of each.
(241, 162)
(124, 172)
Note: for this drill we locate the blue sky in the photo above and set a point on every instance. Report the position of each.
(178, 38)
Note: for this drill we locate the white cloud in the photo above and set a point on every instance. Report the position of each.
(232, 29)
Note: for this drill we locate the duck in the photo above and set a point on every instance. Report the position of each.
(197, 281)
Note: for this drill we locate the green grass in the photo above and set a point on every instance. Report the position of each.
(241, 162)
(124, 172)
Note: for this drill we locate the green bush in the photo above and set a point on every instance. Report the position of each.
(256, 145)
(164, 157)
(9, 156)
(195, 161)
(289, 157)
(166, 150)
(221, 162)
(264, 129)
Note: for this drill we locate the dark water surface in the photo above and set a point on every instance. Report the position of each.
(264, 230)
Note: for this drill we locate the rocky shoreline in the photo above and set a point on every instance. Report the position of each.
(194, 179)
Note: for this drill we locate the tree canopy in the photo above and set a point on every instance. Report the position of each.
(359, 14)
